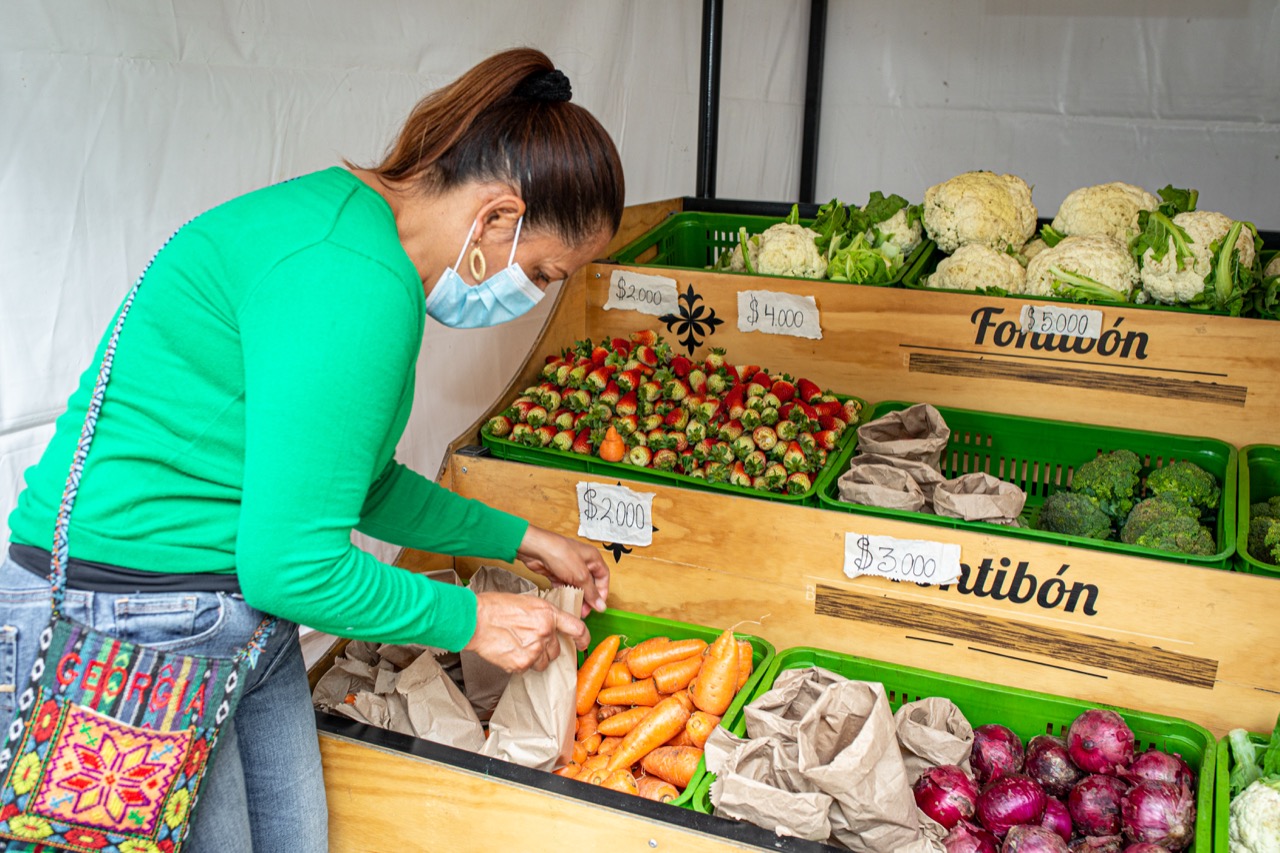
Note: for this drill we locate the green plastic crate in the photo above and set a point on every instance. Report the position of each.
(635, 627)
(549, 457)
(1027, 712)
(1259, 479)
(1224, 763)
(695, 240)
(1039, 457)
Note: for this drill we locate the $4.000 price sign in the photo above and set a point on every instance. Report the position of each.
(648, 294)
(914, 560)
(615, 514)
(779, 314)
(1056, 320)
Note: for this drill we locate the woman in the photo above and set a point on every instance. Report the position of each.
(261, 383)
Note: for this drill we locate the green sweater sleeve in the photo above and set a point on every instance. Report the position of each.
(329, 340)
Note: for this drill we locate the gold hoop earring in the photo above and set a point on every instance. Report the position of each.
(476, 259)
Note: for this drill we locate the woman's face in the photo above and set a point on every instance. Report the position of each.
(543, 255)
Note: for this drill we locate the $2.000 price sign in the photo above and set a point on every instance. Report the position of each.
(648, 294)
(1065, 322)
(779, 314)
(913, 560)
(615, 514)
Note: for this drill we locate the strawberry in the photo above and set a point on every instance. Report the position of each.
(820, 457)
(678, 440)
(598, 379)
(716, 472)
(852, 410)
(627, 404)
(794, 459)
(807, 390)
(798, 483)
(787, 431)
(562, 375)
(677, 418)
(775, 476)
(656, 438)
(520, 408)
(715, 359)
(717, 383)
(762, 378)
(755, 462)
(639, 456)
(784, 390)
(645, 337)
(637, 439)
(601, 412)
(577, 375)
(830, 422)
(522, 433)
(552, 359)
(731, 430)
(692, 401)
(647, 355)
(611, 394)
(738, 476)
(697, 381)
(651, 422)
(536, 416)
(687, 461)
(662, 407)
(681, 366)
(544, 434)
(770, 400)
(764, 437)
(750, 419)
(579, 418)
(563, 440)
(733, 409)
(743, 446)
(621, 346)
(702, 449)
(832, 408)
(498, 426)
(759, 483)
(629, 380)
(598, 355)
(707, 411)
(697, 472)
(665, 459)
(768, 416)
(626, 424)
(755, 389)
(650, 391)
(563, 419)
(826, 439)
(721, 452)
(695, 430)
(553, 365)
(548, 396)
(808, 444)
(675, 389)
(746, 371)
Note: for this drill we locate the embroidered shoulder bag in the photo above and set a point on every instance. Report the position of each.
(112, 739)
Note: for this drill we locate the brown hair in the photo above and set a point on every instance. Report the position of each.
(491, 124)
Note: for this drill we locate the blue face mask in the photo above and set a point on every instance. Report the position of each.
(501, 297)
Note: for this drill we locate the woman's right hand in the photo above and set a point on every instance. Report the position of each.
(519, 632)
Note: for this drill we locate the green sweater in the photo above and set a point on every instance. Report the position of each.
(261, 383)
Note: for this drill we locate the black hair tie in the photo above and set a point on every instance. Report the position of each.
(545, 86)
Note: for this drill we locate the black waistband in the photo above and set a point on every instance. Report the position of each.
(101, 577)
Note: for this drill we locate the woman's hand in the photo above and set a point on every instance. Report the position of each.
(519, 632)
(567, 561)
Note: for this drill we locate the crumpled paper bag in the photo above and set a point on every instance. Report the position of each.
(346, 677)
(533, 724)
(917, 432)
(436, 708)
(881, 485)
(932, 732)
(483, 682)
(979, 497)
(758, 780)
(779, 710)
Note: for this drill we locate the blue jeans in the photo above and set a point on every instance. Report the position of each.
(264, 791)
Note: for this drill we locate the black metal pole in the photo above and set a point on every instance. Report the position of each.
(709, 95)
(812, 99)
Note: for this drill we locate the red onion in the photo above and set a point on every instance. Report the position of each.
(1159, 813)
(1048, 762)
(1057, 818)
(1094, 804)
(1009, 801)
(946, 794)
(1097, 844)
(1162, 767)
(964, 837)
(1144, 847)
(1033, 839)
(1099, 741)
(996, 752)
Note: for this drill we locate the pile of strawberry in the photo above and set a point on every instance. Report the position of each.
(722, 422)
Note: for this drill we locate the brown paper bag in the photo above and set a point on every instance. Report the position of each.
(979, 497)
(849, 749)
(533, 724)
(917, 432)
(932, 732)
(436, 708)
(779, 710)
(884, 486)
(345, 677)
(759, 781)
(927, 477)
(483, 682)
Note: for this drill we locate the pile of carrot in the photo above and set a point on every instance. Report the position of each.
(645, 711)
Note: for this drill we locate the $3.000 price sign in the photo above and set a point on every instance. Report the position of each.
(913, 560)
(779, 314)
(648, 294)
(615, 514)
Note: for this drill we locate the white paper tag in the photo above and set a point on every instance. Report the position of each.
(1056, 320)
(615, 514)
(779, 314)
(914, 560)
(648, 294)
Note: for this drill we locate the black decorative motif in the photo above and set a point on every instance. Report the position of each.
(693, 324)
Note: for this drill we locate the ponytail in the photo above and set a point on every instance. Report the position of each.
(509, 119)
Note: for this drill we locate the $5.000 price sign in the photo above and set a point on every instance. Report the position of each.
(648, 294)
(1056, 320)
(914, 560)
(615, 514)
(779, 314)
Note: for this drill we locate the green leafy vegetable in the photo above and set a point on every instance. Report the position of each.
(878, 208)
(1251, 762)
(859, 262)
(1084, 289)
(746, 256)
(1051, 237)
(831, 223)
(793, 218)
(1156, 227)
(1229, 280)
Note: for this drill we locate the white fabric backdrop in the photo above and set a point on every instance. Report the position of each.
(118, 121)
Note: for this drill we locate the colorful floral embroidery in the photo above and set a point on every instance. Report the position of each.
(175, 811)
(27, 773)
(45, 722)
(87, 839)
(196, 757)
(30, 827)
(138, 845)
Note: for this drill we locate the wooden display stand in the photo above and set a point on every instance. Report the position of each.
(1152, 635)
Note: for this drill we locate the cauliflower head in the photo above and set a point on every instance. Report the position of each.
(1074, 266)
(1254, 824)
(897, 232)
(782, 249)
(1033, 247)
(1108, 209)
(979, 207)
(975, 266)
(1272, 268)
(1162, 281)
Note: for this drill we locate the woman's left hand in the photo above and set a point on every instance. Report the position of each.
(567, 561)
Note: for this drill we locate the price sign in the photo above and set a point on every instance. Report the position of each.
(648, 294)
(615, 514)
(914, 560)
(778, 314)
(1056, 320)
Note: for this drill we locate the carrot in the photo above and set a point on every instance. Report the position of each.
(591, 743)
(685, 699)
(718, 680)
(636, 693)
(349, 699)
(619, 724)
(569, 771)
(586, 724)
(618, 675)
(644, 661)
(668, 717)
(579, 752)
(593, 670)
(607, 711)
(674, 764)
(608, 745)
(643, 648)
(621, 780)
(612, 448)
(700, 726)
(594, 767)
(621, 656)
(744, 662)
(676, 675)
(653, 788)
(681, 738)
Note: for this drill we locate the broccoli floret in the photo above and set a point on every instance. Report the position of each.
(1269, 508)
(1186, 482)
(1075, 515)
(1111, 482)
(1264, 539)
(1179, 534)
(1152, 511)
